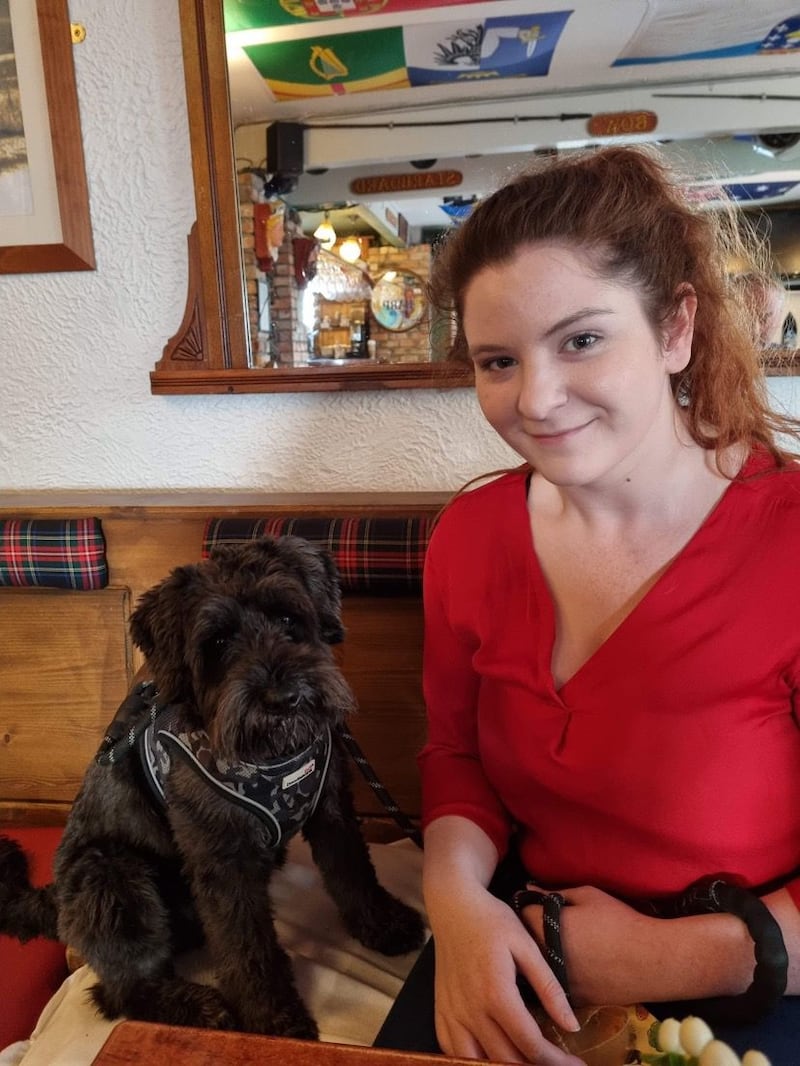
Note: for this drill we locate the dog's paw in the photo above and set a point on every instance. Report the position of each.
(289, 1018)
(166, 1001)
(295, 1021)
(389, 926)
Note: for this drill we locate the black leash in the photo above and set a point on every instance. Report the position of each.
(377, 786)
(552, 902)
(138, 710)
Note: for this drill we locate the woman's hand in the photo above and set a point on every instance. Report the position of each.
(615, 954)
(480, 946)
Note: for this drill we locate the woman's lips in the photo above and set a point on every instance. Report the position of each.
(560, 435)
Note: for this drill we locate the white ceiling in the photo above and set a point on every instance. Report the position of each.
(503, 121)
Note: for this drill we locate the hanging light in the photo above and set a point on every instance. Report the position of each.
(350, 249)
(325, 233)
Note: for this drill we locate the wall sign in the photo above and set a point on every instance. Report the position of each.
(622, 123)
(414, 182)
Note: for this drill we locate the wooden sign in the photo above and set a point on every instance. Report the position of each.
(417, 181)
(622, 123)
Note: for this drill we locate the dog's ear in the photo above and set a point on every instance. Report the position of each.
(321, 577)
(329, 597)
(157, 628)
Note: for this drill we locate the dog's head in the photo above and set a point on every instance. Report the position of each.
(243, 641)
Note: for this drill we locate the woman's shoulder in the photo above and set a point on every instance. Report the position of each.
(506, 488)
(763, 477)
(480, 512)
(767, 502)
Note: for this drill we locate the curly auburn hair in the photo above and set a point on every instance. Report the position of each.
(632, 212)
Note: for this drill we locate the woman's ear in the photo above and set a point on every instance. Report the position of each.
(679, 330)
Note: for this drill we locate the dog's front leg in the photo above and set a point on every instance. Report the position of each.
(370, 913)
(229, 871)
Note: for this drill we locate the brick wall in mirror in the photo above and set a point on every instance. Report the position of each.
(334, 146)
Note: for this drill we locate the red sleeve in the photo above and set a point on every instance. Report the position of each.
(453, 781)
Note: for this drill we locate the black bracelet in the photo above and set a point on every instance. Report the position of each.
(551, 902)
(717, 896)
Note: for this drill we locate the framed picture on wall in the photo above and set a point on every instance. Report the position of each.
(44, 199)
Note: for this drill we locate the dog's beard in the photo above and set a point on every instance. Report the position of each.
(269, 712)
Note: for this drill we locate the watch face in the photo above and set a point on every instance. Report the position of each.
(398, 300)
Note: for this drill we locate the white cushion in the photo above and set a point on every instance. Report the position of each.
(348, 988)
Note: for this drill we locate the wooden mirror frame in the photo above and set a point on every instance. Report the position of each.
(211, 350)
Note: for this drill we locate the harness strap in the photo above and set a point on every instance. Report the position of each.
(140, 710)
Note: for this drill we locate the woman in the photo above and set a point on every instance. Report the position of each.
(612, 656)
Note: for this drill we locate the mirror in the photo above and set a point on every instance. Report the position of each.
(749, 108)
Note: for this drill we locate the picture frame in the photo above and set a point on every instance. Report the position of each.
(48, 227)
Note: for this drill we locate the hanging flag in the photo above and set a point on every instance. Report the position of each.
(514, 46)
(263, 14)
(758, 190)
(783, 38)
(679, 30)
(398, 57)
(332, 65)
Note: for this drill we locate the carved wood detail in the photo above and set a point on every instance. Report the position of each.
(188, 344)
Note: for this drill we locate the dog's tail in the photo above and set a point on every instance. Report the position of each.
(25, 911)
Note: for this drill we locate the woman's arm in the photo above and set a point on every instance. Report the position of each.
(480, 947)
(617, 955)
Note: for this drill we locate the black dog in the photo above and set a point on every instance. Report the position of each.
(205, 773)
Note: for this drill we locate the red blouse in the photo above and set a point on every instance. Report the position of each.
(674, 752)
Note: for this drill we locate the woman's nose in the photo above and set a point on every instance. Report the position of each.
(543, 389)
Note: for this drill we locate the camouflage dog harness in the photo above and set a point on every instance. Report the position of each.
(283, 792)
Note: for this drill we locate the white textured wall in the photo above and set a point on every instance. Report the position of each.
(76, 349)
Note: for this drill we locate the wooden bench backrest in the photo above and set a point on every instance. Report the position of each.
(66, 659)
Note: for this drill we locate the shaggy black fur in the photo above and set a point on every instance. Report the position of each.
(240, 644)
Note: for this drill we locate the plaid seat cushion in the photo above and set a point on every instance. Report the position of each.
(67, 553)
(375, 556)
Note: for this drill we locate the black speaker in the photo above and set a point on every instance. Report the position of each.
(285, 148)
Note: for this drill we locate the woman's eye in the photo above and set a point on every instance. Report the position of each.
(497, 363)
(582, 342)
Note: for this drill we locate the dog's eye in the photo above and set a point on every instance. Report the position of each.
(289, 624)
(216, 646)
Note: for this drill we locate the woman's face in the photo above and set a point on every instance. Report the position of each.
(568, 369)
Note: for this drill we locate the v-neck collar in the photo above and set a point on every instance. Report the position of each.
(546, 605)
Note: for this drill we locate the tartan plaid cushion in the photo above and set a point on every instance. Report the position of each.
(375, 556)
(68, 553)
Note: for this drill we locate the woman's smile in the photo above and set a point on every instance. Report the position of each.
(559, 436)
